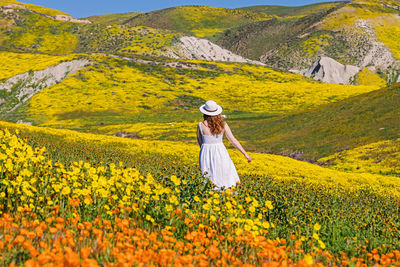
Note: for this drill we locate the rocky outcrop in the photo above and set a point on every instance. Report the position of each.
(71, 19)
(23, 86)
(190, 47)
(328, 70)
(378, 54)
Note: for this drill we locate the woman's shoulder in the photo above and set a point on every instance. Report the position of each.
(201, 125)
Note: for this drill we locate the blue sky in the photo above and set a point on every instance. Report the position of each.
(85, 8)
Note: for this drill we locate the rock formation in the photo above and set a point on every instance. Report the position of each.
(26, 85)
(328, 70)
(379, 54)
(71, 19)
(191, 47)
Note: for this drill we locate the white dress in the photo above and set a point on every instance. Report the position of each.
(215, 162)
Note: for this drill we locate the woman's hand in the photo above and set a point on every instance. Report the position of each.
(248, 157)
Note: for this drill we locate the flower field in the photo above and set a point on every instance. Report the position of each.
(74, 194)
(380, 157)
(18, 63)
(76, 199)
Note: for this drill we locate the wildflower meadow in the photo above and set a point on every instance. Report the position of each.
(120, 207)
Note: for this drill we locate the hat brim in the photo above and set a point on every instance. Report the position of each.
(214, 113)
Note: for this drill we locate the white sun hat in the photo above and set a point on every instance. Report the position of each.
(211, 108)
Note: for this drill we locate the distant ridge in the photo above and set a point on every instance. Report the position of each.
(298, 11)
(201, 21)
(48, 13)
(36, 8)
(110, 19)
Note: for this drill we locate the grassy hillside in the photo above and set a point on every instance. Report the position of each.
(281, 36)
(116, 91)
(36, 8)
(380, 15)
(200, 21)
(25, 31)
(36, 33)
(293, 11)
(328, 129)
(18, 63)
(254, 40)
(110, 19)
(347, 34)
(381, 157)
(345, 31)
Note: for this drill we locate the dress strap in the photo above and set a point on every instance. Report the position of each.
(201, 130)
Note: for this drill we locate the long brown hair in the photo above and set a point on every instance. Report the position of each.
(215, 123)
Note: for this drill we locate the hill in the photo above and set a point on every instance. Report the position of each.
(126, 90)
(35, 8)
(381, 157)
(25, 30)
(109, 19)
(358, 33)
(293, 11)
(200, 21)
(255, 39)
(28, 31)
(328, 129)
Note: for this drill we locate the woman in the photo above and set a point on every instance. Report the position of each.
(214, 159)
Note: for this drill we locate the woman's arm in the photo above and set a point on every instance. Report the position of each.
(199, 139)
(235, 142)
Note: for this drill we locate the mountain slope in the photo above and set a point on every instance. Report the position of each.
(110, 19)
(18, 63)
(293, 11)
(128, 90)
(200, 21)
(381, 158)
(327, 129)
(26, 31)
(22, 30)
(256, 39)
(359, 33)
(35, 8)
(253, 40)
